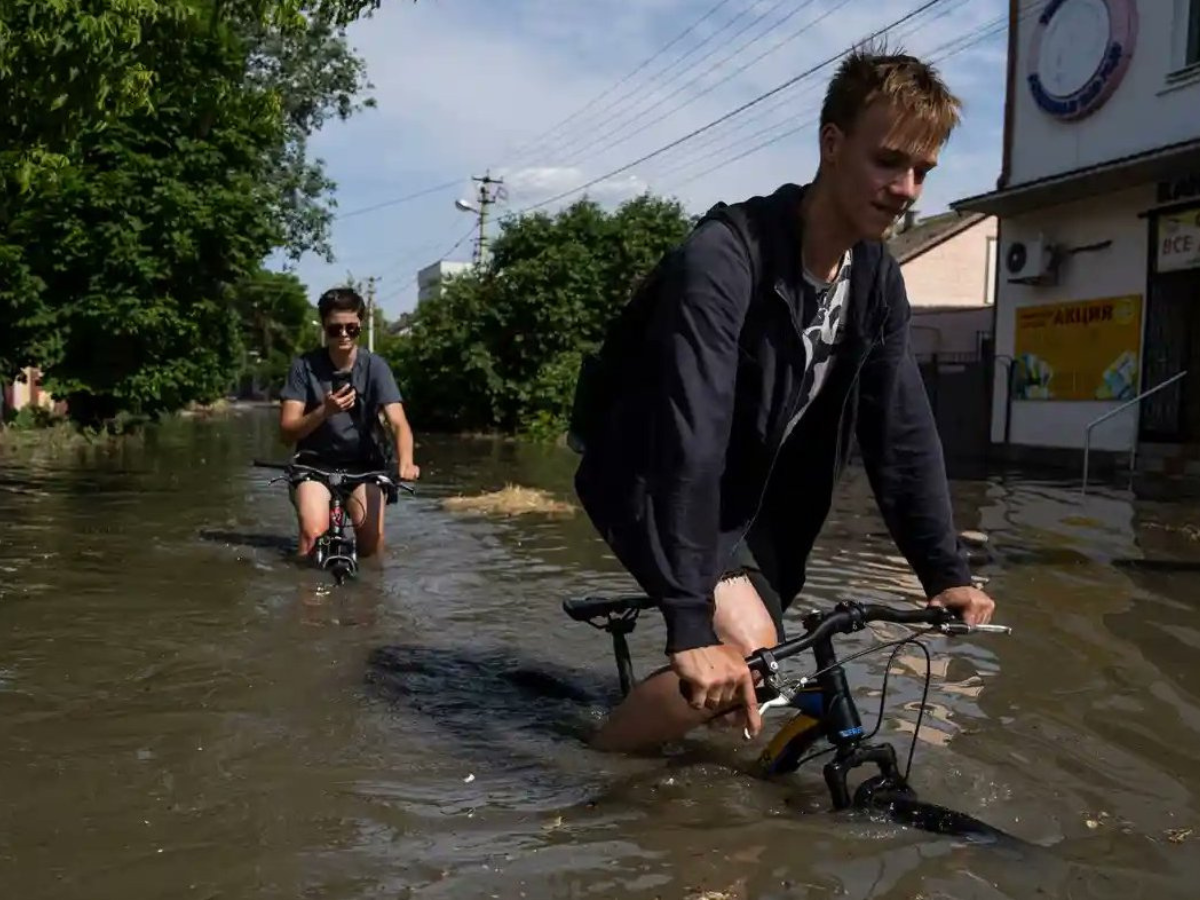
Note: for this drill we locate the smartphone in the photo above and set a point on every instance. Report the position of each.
(339, 381)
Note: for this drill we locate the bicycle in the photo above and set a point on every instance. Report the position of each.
(336, 549)
(824, 706)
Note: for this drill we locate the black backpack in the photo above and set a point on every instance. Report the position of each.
(599, 381)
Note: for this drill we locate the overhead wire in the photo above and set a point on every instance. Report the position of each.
(591, 108)
(790, 82)
(606, 129)
(741, 132)
(946, 51)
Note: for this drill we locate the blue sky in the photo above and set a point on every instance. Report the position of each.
(464, 86)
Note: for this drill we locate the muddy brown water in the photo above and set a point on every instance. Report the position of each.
(184, 712)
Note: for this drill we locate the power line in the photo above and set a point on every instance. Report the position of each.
(624, 134)
(929, 4)
(604, 129)
(590, 105)
(398, 200)
(963, 42)
(741, 132)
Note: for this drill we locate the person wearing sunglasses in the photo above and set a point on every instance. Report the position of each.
(330, 412)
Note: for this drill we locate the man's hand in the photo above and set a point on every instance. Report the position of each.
(972, 604)
(715, 678)
(339, 401)
(409, 471)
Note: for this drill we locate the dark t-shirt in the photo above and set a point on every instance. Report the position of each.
(338, 439)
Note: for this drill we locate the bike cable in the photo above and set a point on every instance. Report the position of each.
(896, 645)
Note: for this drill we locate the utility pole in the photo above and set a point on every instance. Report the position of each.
(371, 313)
(486, 198)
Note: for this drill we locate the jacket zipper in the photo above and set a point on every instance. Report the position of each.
(881, 333)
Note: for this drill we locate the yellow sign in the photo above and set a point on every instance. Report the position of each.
(1078, 351)
(1179, 240)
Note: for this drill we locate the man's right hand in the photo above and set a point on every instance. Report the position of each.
(339, 401)
(715, 678)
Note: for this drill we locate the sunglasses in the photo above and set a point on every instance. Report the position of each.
(337, 329)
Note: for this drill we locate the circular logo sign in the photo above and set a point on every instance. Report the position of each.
(1080, 51)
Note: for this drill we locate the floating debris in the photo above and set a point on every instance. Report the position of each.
(511, 500)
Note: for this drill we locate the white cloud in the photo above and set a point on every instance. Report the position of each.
(475, 85)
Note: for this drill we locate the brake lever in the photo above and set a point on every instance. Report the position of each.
(784, 697)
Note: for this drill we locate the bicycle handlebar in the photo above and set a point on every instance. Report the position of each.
(848, 617)
(349, 478)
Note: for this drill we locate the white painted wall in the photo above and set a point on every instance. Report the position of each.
(1147, 110)
(1119, 269)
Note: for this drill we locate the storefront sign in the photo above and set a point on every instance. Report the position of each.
(1080, 52)
(1179, 240)
(1177, 189)
(1078, 351)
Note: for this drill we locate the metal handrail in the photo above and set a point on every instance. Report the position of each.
(1087, 435)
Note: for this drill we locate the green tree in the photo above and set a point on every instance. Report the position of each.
(117, 274)
(72, 66)
(500, 348)
(277, 322)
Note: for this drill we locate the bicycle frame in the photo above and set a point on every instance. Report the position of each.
(336, 549)
(824, 707)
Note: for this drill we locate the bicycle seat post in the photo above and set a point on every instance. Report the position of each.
(619, 625)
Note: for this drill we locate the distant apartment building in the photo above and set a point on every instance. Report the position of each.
(431, 278)
(1098, 199)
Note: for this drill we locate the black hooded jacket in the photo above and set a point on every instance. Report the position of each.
(690, 454)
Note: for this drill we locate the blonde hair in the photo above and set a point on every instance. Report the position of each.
(929, 112)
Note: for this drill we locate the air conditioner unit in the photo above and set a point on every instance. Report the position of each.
(1030, 262)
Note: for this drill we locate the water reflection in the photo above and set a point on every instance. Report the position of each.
(188, 712)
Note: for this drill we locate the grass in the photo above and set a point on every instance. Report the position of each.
(511, 500)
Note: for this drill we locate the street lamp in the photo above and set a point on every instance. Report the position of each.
(465, 206)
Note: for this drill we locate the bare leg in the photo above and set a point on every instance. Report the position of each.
(655, 712)
(366, 508)
(312, 513)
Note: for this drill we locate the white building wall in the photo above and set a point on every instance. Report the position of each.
(1119, 269)
(431, 278)
(1148, 109)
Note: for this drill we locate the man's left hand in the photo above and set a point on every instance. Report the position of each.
(971, 603)
(409, 471)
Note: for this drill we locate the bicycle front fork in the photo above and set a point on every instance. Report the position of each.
(889, 780)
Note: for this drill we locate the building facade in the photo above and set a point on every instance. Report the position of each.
(949, 267)
(431, 278)
(1098, 200)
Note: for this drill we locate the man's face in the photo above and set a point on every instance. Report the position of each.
(342, 328)
(877, 170)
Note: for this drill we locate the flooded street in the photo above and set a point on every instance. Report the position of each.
(189, 713)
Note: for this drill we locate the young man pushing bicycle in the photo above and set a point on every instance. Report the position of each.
(330, 407)
(775, 334)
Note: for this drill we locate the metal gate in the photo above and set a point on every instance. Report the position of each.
(959, 388)
(1166, 348)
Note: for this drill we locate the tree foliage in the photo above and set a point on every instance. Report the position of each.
(277, 322)
(160, 156)
(499, 348)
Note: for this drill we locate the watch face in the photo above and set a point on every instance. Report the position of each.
(1074, 45)
(1080, 52)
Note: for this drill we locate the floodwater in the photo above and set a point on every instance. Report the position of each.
(185, 712)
